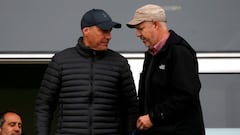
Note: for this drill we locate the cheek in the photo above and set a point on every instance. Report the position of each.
(96, 36)
(147, 35)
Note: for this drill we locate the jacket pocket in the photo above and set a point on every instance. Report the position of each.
(159, 76)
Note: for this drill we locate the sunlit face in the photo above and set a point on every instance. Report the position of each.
(12, 125)
(146, 32)
(96, 38)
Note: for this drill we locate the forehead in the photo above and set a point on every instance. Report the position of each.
(12, 117)
(143, 24)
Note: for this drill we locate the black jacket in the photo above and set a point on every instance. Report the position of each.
(93, 90)
(169, 90)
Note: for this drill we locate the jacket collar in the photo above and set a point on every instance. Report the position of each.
(86, 51)
(172, 40)
(175, 39)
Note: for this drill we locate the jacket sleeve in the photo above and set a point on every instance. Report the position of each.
(184, 83)
(47, 99)
(128, 101)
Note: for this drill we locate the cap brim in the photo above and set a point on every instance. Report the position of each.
(133, 23)
(131, 26)
(109, 25)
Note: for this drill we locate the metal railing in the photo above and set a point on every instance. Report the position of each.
(216, 62)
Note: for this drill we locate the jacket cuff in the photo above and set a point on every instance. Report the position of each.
(155, 118)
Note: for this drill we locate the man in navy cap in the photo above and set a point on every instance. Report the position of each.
(91, 85)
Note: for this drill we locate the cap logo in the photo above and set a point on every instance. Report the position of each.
(104, 15)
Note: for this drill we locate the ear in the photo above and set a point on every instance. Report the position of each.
(156, 24)
(86, 29)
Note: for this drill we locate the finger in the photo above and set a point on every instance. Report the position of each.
(138, 124)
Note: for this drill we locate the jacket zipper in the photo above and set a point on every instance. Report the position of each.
(91, 93)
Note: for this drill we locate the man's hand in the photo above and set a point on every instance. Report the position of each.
(144, 122)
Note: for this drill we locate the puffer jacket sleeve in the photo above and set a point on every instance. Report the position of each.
(128, 101)
(47, 98)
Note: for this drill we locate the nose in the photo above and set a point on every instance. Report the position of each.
(108, 35)
(17, 128)
(138, 33)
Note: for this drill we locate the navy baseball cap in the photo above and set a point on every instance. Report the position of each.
(99, 18)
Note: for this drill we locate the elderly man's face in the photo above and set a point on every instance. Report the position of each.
(12, 125)
(146, 31)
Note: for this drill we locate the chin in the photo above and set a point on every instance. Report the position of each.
(103, 49)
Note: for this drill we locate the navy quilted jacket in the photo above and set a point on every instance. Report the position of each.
(93, 91)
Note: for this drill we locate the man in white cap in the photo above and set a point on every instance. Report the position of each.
(169, 83)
